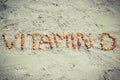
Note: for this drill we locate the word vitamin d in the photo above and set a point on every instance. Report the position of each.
(70, 39)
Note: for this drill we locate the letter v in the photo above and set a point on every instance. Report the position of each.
(12, 43)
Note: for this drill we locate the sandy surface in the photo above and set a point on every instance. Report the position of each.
(48, 16)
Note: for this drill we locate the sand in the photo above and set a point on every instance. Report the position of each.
(48, 16)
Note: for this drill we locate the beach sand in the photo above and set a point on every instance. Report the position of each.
(48, 16)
